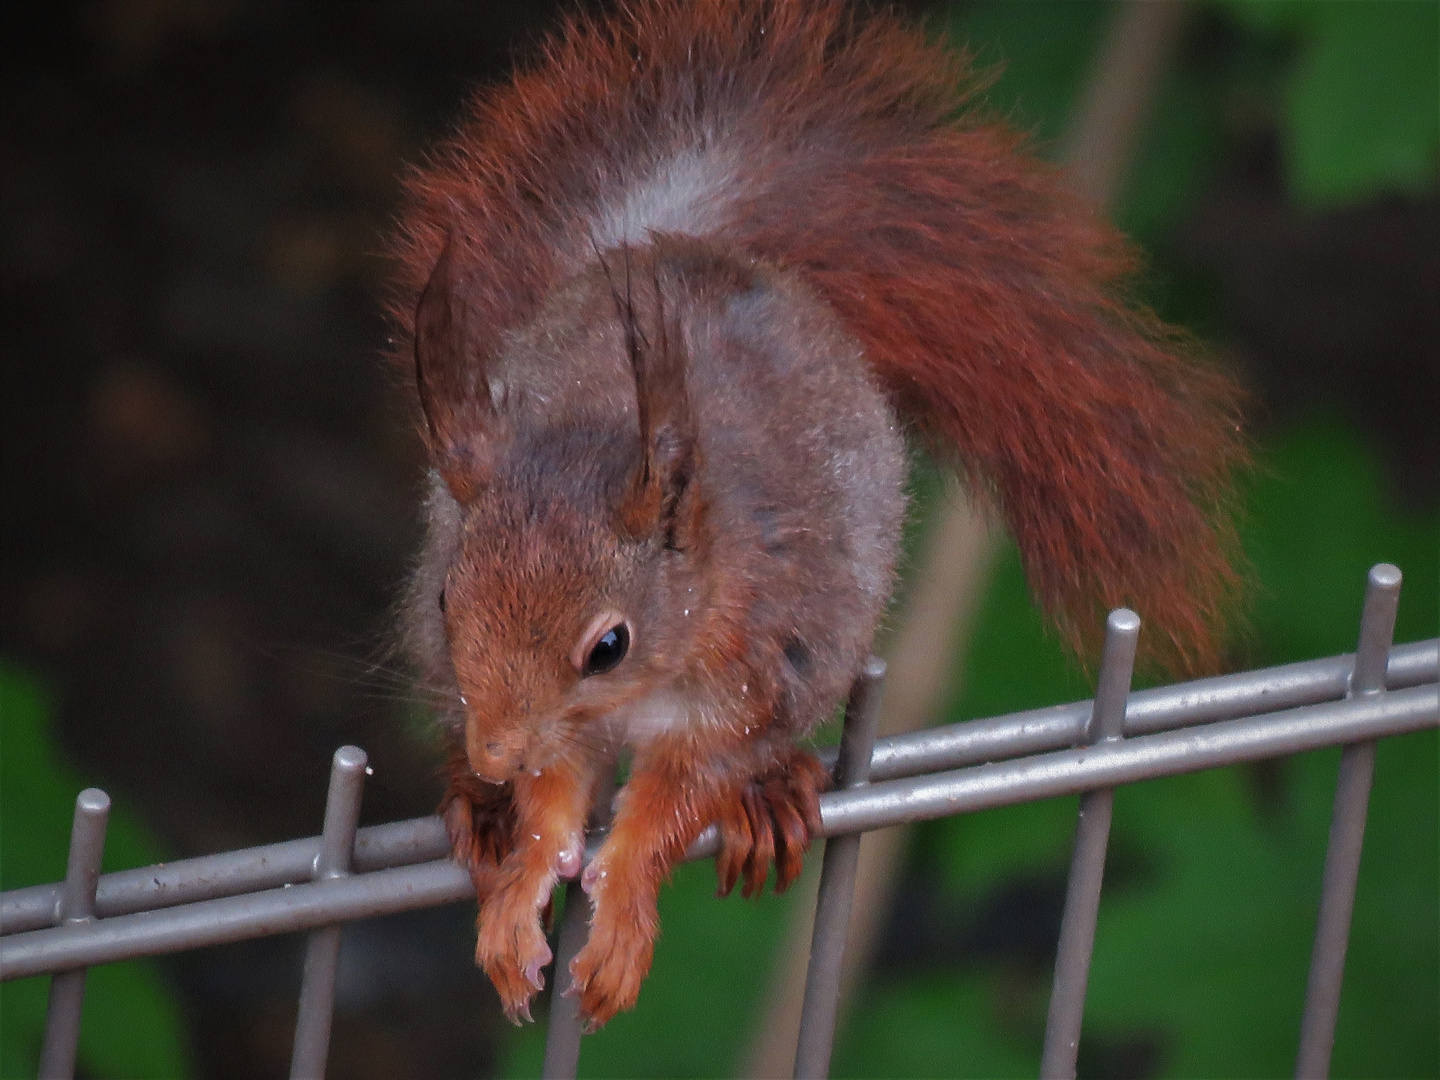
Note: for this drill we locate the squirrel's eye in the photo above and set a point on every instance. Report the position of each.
(608, 651)
(442, 601)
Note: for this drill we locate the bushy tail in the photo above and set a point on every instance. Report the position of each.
(989, 299)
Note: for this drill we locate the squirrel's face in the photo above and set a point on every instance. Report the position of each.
(556, 621)
(564, 548)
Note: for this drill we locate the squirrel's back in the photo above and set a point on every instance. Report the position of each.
(987, 298)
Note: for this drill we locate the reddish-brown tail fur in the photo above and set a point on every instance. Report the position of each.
(989, 299)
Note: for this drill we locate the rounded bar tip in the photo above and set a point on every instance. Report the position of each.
(1385, 576)
(1123, 621)
(350, 759)
(92, 801)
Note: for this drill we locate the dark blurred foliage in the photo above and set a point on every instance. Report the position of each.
(209, 478)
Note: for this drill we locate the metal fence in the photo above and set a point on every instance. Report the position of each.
(1088, 747)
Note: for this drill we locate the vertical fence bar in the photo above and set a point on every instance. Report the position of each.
(837, 883)
(562, 1036)
(1087, 864)
(77, 905)
(322, 950)
(564, 1027)
(1347, 835)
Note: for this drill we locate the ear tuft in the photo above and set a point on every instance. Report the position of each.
(660, 496)
(462, 419)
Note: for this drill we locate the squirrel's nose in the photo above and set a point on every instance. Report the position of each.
(496, 760)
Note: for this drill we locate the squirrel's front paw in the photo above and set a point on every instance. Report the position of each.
(480, 822)
(608, 971)
(772, 817)
(511, 947)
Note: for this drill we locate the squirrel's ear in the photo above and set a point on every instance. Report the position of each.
(661, 495)
(462, 418)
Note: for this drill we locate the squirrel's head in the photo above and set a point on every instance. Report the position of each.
(561, 587)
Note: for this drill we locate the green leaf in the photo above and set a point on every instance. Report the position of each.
(1362, 103)
(1362, 95)
(1318, 522)
(934, 1025)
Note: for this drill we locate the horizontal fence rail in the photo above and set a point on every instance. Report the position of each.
(401, 888)
(1087, 748)
(418, 840)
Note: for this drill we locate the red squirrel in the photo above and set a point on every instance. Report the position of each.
(674, 297)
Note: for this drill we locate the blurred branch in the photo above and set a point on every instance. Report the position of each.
(1110, 114)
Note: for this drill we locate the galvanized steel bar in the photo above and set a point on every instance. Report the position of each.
(1164, 708)
(1087, 865)
(1347, 835)
(837, 883)
(1377, 630)
(313, 1018)
(1169, 753)
(230, 873)
(420, 840)
(895, 802)
(564, 1026)
(237, 918)
(77, 908)
(311, 1047)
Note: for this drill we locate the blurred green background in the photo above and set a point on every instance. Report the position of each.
(1213, 880)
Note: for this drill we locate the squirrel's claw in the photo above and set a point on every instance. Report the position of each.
(512, 949)
(608, 971)
(772, 818)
